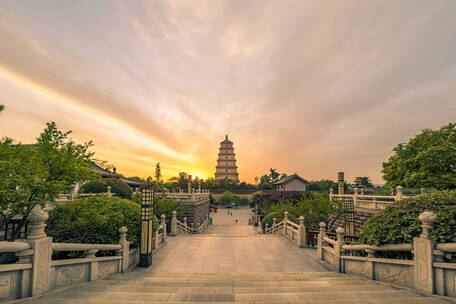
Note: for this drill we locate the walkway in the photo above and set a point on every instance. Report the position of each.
(232, 263)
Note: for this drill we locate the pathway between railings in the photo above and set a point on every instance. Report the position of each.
(232, 263)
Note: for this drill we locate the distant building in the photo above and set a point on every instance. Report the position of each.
(226, 168)
(105, 174)
(291, 183)
(183, 175)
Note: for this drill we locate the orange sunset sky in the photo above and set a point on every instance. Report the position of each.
(313, 87)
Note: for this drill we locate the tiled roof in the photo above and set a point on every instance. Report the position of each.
(289, 178)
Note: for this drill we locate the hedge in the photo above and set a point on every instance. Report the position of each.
(399, 222)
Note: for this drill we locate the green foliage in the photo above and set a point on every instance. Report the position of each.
(362, 182)
(399, 223)
(267, 181)
(427, 160)
(322, 185)
(120, 189)
(157, 173)
(315, 208)
(243, 201)
(2, 107)
(229, 197)
(166, 206)
(94, 220)
(97, 186)
(32, 175)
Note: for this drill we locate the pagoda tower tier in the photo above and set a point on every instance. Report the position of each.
(226, 168)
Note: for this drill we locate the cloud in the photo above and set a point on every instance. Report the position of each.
(302, 86)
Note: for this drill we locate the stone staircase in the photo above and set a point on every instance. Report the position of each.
(144, 286)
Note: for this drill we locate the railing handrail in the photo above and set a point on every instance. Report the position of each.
(14, 246)
(386, 247)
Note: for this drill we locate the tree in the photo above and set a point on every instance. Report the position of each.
(267, 181)
(157, 173)
(2, 107)
(32, 175)
(362, 182)
(322, 185)
(427, 160)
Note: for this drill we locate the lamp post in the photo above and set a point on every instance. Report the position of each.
(145, 257)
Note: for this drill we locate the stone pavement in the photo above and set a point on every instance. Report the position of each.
(234, 264)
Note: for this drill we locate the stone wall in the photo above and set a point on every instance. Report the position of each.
(360, 217)
(196, 211)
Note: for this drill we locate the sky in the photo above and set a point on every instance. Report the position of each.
(307, 87)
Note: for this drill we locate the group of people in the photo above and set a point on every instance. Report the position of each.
(231, 213)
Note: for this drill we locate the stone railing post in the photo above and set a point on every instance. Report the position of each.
(423, 254)
(355, 197)
(321, 235)
(331, 193)
(157, 239)
(109, 190)
(185, 224)
(302, 233)
(125, 250)
(73, 192)
(274, 225)
(174, 223)
(285, 220)
(399, 194)
(340, 233)
(163, 223)
(266, 228)
(423, 190)
(42, 252)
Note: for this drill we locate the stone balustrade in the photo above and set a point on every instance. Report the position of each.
(35, 272)
(290, 230)
(426, 272)
(178, 227)
(370, 201)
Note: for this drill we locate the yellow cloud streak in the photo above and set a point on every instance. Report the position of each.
(146, 139)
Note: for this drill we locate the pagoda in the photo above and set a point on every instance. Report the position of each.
(226, 168)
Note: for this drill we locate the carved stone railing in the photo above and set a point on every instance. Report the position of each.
(178, 227)
(426, 272)
(35, 272)
(370, 201)
(290, 230)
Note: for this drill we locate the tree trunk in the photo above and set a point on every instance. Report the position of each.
(17, 231)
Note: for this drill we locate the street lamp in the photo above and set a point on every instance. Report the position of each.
(145, 257)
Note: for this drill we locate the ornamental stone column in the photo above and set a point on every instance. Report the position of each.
(42, 251)
(285, 220)
(163, 223)
(340, 233)
(399, 194)
(302, 233)
(174, 223)
(125, 250)
(321, 235)
(423, 251)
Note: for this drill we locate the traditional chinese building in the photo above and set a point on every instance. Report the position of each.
(226, 168)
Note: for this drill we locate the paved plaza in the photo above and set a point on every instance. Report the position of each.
(233, 263)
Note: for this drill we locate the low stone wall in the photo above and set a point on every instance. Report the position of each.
(426, 272)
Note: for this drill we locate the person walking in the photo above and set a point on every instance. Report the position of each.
(236, 221)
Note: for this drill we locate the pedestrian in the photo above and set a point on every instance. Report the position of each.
(236, 221)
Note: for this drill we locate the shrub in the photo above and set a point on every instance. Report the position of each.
(120, 189)
(243, 201)
(95, 220)
(269, 219)
(228, 197)
(98, 186)
(166, 206)
(399, 222)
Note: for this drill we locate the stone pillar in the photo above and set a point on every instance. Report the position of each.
(109, 190)
(157, 239)
(355, 197)
(266, 228)
(321, 235)
(341, 182)
(302, 233)
(125, 250)
(42, 252)
(274, 225)
(73, 192)
(331, 193)
(399, 194)
(174, 223)
(340, 232)
(163, 223)
(423, 247)
(423, 190)
(285, 220)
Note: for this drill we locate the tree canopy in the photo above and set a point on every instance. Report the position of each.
(35, 174)
(427, 160)
(362, 182)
